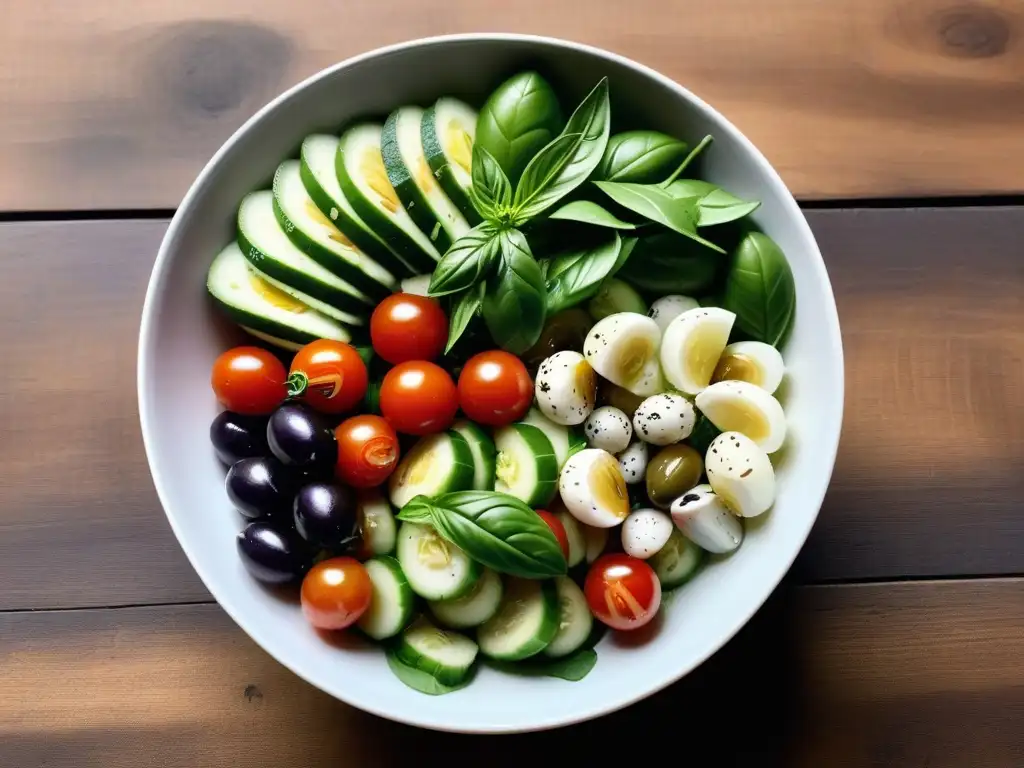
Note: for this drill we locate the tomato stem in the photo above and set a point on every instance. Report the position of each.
(296, 384)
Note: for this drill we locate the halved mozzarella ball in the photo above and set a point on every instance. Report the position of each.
(741, 474)
(645, 532)
(623, 348)
(664, 419)
(609, 429)
(668, 308)
(692, 345)
(751, 361)
(739, 406)
(633, 462)
(566, 388)
(706, 521)
(593, 489)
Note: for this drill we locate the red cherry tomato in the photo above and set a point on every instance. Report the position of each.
(367, 451)
(248, 380)
(418, 398)
(335, 593)
(329, 375)
(622, 591)
(495, 388)
(408, 327)
(556, 528)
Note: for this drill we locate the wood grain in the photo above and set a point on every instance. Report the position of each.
(927, 481)
(119, 104)
(848, 677)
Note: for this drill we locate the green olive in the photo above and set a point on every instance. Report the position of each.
(673, 471)
(618, 397)
(565, 330)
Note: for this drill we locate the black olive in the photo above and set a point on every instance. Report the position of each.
(327, 515)
(272, 553)
(301, 438)
(260, 487)
(235, 436)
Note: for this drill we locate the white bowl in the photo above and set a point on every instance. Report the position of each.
(181, 336)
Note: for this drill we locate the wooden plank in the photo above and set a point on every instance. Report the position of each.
(927, 481)
(118, 105)
(853, 677)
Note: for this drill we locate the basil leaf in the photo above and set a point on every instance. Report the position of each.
(418, 680)
(652, 202)
(704, 432)
(641, 157)
(468, 261)
(587, 212)
(520, 117)
(573, 667)
(576, 276)
(667, 262)
(714, 204)
(687, 160)
(562, 166)
(513, 305)
(491, 190)
(463, 312)
(500, 532)
(628, 244)
(760, 289)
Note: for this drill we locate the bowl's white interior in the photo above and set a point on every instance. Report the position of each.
(181, 336)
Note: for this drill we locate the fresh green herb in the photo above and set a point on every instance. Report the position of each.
(520, 117)
(652, 202)
(628, 244)
(687, 161)
(418, 680)
(666, 262)
(587, 212)
(563, 165)
(514, 302)
(495, 529)
(704, 432)
(469, 260)
(760, 289)
(714, 204)
(463, 312)
(573, 667)
(576, 276)
(491, 191)
(640, 157)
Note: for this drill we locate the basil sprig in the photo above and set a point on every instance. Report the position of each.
(760, 289)
(496, 530)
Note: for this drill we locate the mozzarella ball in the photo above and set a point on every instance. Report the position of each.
(692, 346)
(609, 429)
(739, 406)
(752, 361)
(593, 489)
(705, 520)
(664, 419)
(566, 388)
(668, 308)
(645, 532)
(741, 474)
(633, 462)
(623, 348)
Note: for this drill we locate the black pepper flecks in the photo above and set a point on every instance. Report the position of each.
(544, 387)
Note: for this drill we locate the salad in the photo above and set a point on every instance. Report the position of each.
(512, 379)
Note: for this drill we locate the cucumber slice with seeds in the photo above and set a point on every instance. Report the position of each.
(262, 309)
(364, 181)
(391, 602)
(575, 619)
(527, 620)
(448, 130)
(445, 655)
(574, 533)
(435, 568)
(352, 321)
(410, 175)
(484, 453)
(526, 466)
(317, 236)
(472, 610)
(268, 248)
(564, 440)
(377, 523)
(317, 169)
(437, 464)
(677, 562)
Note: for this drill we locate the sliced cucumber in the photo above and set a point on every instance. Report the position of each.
(317, 236)
(377, 522)
(482, 448)
(472, 610)
(391, 602)
(448, 130)
(419, 191)
(677, 562)
(575, 620)
(437, 464)
(435, 569)
(261, 308)
(526, 621)
(526, 466)
(322, 307)
(418, 286)
(273, 340)
(564, 440)
(268, 248)
(574, 533)
(447, 656)
(364, 181)
(616, 296)
(317, 168)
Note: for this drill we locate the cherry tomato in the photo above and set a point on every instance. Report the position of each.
(335, 593)
(622, 591)
(495, 388)
(556, 528)
(408, 327)
(248, 380)
(329, 375)
(367, 451)
(418, 398)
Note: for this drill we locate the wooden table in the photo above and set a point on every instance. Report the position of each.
(897, 640)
